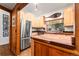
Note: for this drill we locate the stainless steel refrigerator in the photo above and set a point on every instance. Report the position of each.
(25, 34)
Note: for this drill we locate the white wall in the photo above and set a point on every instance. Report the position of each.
(3, 40)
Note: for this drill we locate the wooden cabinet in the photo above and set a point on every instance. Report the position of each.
(69, 16)
(56, 52)
(36, 22)
(42, 49)
(41, 21)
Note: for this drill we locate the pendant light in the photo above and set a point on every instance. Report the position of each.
(36, 6)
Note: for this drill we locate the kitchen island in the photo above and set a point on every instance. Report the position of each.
(53, 45)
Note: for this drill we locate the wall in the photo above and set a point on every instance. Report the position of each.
(29, 16)
(3, 40)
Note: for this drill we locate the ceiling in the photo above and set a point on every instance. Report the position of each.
(10, 6)
(44, 8)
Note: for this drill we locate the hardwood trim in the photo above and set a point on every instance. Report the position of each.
(4, 8)
(19, 6)
(18, 33)
(77, 25)
(10, 34)
(32, 47)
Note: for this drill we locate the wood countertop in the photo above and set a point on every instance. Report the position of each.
(66, 48)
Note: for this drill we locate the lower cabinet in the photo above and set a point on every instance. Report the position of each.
(44, 50)
(40, 50)
(56, 52)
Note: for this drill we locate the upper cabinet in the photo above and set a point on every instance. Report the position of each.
(69, 16)
(36, 22)
(41, 21)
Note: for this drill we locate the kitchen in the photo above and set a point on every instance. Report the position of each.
(52, 29)
(43, 29)
(40, 29)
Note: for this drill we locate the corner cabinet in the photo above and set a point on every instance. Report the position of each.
(69, 15)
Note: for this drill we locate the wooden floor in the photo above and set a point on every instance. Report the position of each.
(26, 52)
(4, 50)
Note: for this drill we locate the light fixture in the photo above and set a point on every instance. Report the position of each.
(35, 3)
(36, 6)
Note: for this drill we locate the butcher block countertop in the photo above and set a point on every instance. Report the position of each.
(61, 42)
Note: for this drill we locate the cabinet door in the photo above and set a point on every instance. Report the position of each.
(40, 49)
(41, 21)
(56, 52)
(69, 16)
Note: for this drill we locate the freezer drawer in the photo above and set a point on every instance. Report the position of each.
(25, 43)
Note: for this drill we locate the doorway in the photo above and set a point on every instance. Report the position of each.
(4, 33)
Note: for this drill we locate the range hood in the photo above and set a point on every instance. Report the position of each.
(55, 15)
